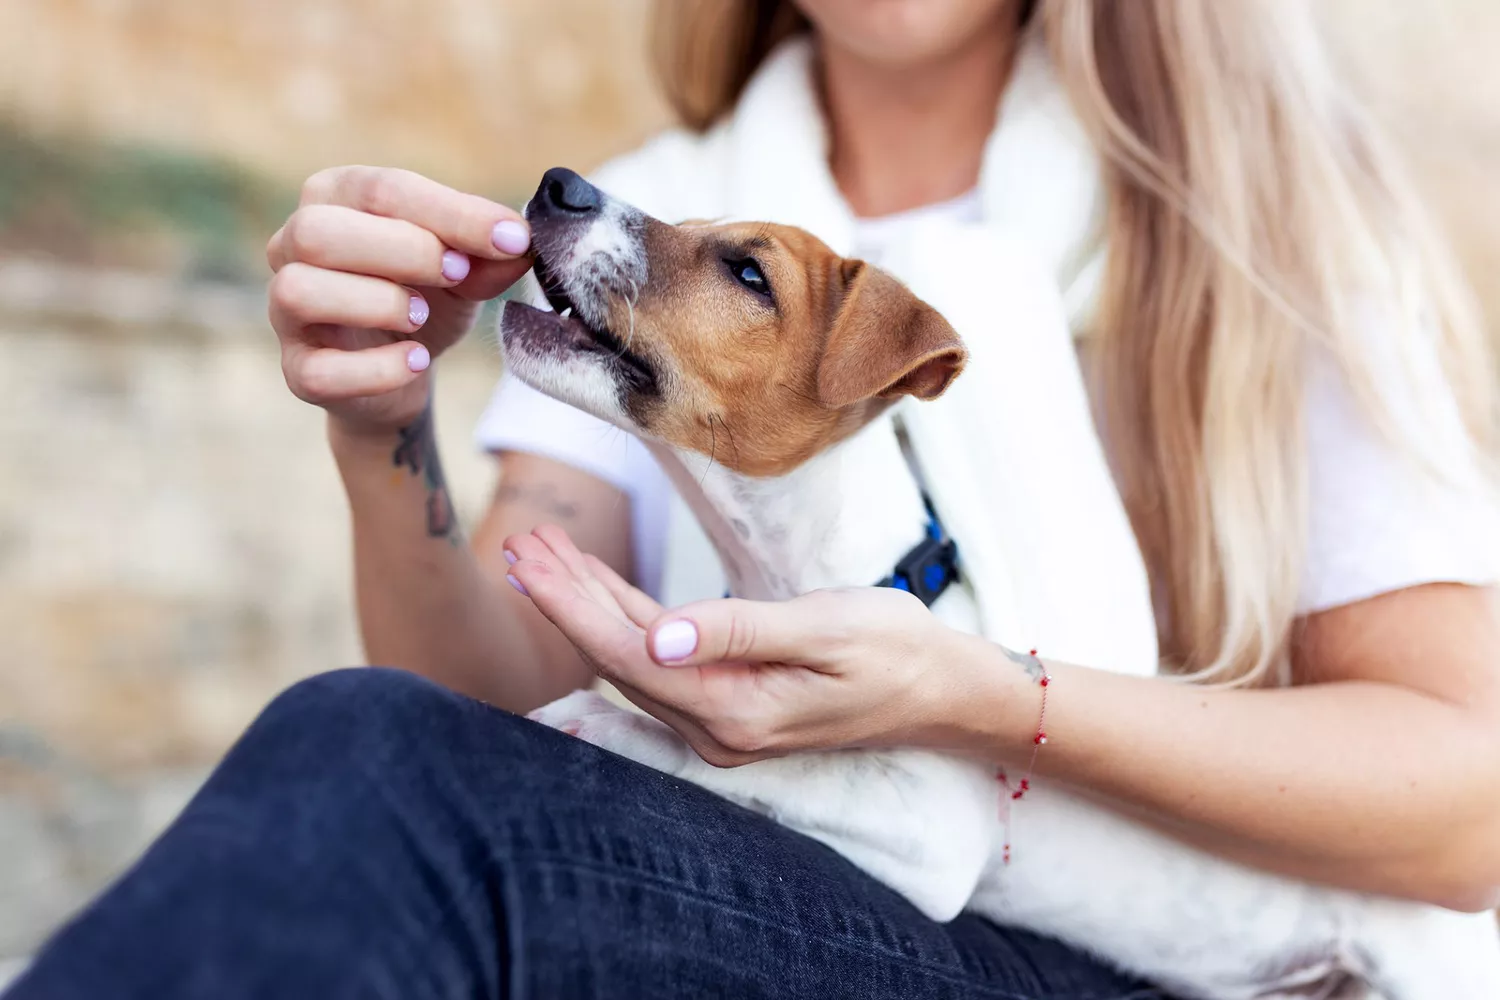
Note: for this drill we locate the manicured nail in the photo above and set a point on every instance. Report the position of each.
(675, 640)
(520, 587)
(455, 265)
(418, 358)
(510, 557)
(511, 237)
(417, 311)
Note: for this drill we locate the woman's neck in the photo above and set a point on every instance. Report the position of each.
(908, 136)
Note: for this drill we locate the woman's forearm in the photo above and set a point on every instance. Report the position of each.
(1366, 785)
(425, 602)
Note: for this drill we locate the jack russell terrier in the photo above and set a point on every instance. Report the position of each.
(761, 369)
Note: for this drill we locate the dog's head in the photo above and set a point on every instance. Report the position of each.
(752, 343)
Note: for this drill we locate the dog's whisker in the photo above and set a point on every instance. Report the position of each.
(630, 301)
(730, 434)
(713, 450)
(798, 393)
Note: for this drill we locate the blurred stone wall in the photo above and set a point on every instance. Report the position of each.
(173, 551)
(1428, 72)
(484, 94)
(173, 541)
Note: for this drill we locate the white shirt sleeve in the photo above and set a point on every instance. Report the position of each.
(519, 418)
(1380, 519)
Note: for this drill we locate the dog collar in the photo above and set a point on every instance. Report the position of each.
(930, 566)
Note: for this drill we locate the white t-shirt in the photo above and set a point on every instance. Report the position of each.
(1377, 521)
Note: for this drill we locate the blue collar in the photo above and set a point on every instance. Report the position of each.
(928, 568)
(930, 565)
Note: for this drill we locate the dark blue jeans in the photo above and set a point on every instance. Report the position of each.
(374, 835)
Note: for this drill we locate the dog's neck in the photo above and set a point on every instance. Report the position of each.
(841, 519)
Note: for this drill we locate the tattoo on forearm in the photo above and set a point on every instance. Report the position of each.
(417, 451)
(542, 496)
(1028, 661)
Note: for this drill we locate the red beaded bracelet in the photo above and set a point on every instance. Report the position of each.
(1014, 794)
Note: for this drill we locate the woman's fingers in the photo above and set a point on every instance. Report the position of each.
(635, 602)
(337, 238)
(527, 546)
(406, 229)
(550, 545)
(573, 561)
(797, 631)
(561, 546)
(609, 641)
(323, 375)
(465, 222)
(346, 265)
(341, 239)
(488, 278)
(602, 635)
(302, 296)
(679, 698)
(305, 299)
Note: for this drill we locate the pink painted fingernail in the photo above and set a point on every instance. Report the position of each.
(511, 237)
(510, 557)
(418, 358)
(675, 640)
(455, 265)
(417, 311)
(520, 587)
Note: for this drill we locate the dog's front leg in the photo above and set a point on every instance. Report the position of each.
(922, 823)
(595, 719)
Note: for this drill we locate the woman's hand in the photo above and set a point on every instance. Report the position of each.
(743, 680)
(377, 272)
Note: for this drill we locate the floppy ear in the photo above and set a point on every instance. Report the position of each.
(885, 342)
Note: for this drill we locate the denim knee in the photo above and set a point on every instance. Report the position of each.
(356, 713)
(374, 691)
(381, 697)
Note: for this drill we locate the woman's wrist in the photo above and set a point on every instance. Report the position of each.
(358, 444)
(363, 427)
(988, 705)
(377, 427)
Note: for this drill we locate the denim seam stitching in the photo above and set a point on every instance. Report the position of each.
(639, 876)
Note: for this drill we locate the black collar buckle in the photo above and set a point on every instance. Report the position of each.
(931, 565)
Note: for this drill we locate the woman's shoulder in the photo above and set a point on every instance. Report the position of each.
(1399, 501)
(671, 176)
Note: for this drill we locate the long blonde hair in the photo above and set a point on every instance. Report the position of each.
(1249, 206)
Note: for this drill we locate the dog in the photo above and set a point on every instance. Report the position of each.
(762, 370)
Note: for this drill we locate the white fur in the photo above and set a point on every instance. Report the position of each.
(775, 545)
(607, 260)
(579, 379)
(608, 255)
(1043, 535)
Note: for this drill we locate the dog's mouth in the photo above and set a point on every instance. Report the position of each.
(573, 332)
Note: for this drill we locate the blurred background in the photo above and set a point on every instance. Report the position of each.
(173, 541)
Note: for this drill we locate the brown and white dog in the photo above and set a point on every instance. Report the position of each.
(761, 368)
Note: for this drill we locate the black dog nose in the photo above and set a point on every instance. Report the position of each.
(565, 190)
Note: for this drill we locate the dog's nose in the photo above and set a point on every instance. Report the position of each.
(565, 190)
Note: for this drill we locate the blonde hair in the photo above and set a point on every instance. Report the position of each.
(1249, 206)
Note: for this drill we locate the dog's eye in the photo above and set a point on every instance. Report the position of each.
(747, 272)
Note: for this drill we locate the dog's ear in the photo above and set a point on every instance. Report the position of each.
(885, 342)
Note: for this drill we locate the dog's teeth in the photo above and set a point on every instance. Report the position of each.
(566, 312)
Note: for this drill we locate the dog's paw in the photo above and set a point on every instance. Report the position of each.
(568, 713)
(595, 719)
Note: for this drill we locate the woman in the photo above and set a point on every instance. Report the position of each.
(1294, 397)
